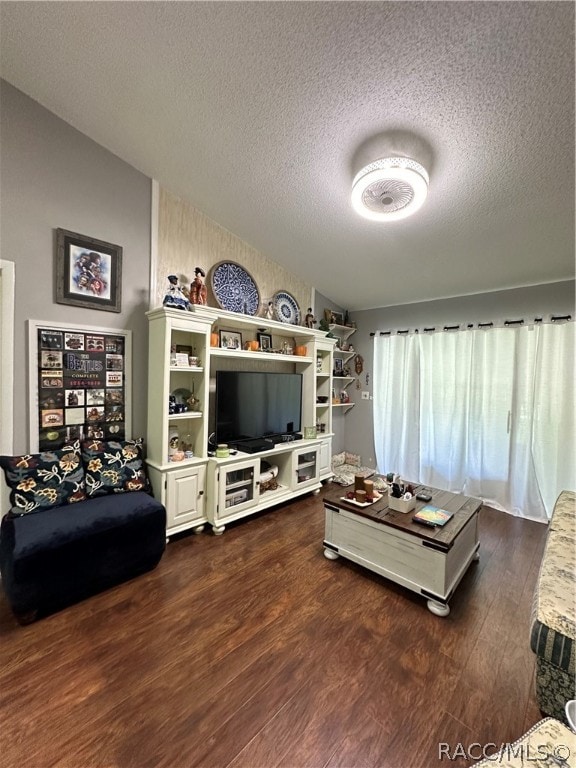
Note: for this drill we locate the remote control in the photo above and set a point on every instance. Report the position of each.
(423, 497)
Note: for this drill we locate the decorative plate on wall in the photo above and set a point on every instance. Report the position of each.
(286, 308)
(234, 289)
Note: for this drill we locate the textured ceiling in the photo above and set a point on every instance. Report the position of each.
(260, 113)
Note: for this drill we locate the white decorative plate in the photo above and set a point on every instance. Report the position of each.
(286, 308)
(234, 289)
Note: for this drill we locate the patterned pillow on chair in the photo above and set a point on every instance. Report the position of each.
(338, 459)
(40, 481)
(353, 459)
(114, 466)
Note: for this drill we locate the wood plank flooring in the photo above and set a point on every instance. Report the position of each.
(251, 650)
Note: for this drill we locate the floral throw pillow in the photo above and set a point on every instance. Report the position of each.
(114, 466)
(40, 481)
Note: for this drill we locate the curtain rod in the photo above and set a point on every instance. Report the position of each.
(470, 326)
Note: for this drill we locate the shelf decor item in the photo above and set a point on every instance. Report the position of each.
(88, 272)
(173, 441)
(230, 339)
(337, 318)
(265, 341)
(286, 308)
(234, 289)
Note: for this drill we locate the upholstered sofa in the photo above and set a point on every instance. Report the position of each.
(82, 520)
(553, 621)
(548, 743)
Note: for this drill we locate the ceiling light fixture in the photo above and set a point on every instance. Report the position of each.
(390, 189)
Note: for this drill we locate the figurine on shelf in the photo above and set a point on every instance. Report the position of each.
(198, 290)
(193, 403)
(269, 311)
(310, 320)
(174, 298)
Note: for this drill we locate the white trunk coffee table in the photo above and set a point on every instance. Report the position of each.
(429, 561)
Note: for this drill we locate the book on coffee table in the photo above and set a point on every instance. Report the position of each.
(431, 515)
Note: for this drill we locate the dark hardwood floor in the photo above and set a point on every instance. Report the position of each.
(251, 650)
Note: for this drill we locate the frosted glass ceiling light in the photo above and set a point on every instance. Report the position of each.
(390, 189)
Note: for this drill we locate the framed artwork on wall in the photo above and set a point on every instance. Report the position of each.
(88, 272)
(80, 384)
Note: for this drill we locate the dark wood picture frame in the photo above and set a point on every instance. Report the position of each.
(264, 341)
(88, 272)
(231, 339)
(337, 318)
(333, 318)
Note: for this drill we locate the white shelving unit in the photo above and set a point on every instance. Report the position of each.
(341, 356)
(179, 485)
(203, 488)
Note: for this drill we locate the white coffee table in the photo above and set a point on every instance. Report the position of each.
(429, 561)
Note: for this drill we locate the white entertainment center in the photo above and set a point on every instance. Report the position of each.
(184, 356)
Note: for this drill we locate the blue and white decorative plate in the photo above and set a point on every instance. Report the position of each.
(234, 289)
(286, 308)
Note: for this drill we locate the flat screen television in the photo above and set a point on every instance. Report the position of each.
(256, 404)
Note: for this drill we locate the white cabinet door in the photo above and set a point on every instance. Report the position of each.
(325, 458)
(238, 487)
(306, 467)
(185, 498)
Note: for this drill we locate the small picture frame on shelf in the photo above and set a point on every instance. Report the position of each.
(180, 359)
(338, 367)
(265, 341)
(337, 318)
(230, 340)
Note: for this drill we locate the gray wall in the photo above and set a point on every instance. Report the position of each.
(538, 300)
(53, 176)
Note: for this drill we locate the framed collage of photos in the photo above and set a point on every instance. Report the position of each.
(82, 381)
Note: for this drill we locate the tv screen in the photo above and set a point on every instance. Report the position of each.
(252, 404)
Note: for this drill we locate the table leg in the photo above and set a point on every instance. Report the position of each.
(438, 609)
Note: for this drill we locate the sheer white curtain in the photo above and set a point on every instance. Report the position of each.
(489, 413)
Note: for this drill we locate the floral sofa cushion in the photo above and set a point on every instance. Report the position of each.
(46, 480)
(553, 621)
(553, 609)
(114, 466)
(548, 742)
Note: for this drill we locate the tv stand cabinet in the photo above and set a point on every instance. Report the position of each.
(201, 489)
(235, 489)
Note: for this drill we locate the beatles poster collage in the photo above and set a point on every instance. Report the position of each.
(81, 387)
